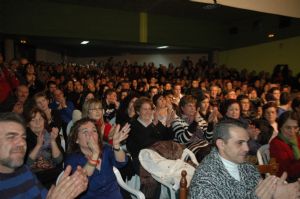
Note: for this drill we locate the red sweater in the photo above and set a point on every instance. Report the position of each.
(107, 128)
(284, 155)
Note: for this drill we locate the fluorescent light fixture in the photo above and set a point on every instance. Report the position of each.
(84, 42)
(271, 35)
(162, 47)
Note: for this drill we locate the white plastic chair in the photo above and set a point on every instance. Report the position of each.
(58, 177)
(136, 193)
(168, 189)
(263, 154)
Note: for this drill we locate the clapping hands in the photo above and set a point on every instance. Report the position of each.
(120, 135)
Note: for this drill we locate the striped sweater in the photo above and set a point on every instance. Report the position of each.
(194, 136)
(22, 184)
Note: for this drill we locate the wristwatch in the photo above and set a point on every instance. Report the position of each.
(118, 149)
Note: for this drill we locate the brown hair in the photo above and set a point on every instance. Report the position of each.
(140, 101)
(73, 146)
(29, 115)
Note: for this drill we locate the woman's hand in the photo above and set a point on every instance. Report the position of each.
(54, 133)
(120, 135)
(170, 117)
(155, 116)
(40, 139)
(93, 146)
(253, 131)
(214, 116)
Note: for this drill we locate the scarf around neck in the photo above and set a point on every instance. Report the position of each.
(293, 143)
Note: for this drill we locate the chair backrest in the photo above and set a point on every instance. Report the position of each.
(59, 176)
(263, 154)
(136, 193)
(271, 168)
(183, 186)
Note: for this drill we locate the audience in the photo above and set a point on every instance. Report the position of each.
(256, 99)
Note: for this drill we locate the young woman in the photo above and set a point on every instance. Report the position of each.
(87, 150)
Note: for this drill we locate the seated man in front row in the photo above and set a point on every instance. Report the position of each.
(16, 179)
(224, 174)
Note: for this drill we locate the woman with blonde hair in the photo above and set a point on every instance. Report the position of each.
(93, 109)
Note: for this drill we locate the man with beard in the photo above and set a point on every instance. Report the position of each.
(16, 179)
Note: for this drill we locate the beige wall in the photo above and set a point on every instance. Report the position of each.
(157, 59)
(264, 56)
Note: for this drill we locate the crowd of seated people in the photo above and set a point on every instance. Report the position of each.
(180, 104)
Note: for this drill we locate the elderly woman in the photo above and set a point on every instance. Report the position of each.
(191, 129)
(286, 146)
(148, 132)
(87, 150)
(270, 114)
(145, 129)
(44, 152)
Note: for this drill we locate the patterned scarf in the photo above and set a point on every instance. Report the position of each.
(293, 143)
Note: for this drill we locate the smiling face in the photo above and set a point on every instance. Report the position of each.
(95, 111)
(290, 128)
(12, 146)
(233, 111)
(37, 123)
(146, 112)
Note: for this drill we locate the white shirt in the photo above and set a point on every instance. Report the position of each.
(232, 168)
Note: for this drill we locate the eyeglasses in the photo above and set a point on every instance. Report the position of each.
(289, 128)
(95, 109)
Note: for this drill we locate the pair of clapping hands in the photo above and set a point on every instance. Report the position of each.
(53, 135)
(69, 186)
(273, 187)
(171, 115)
(117, 133)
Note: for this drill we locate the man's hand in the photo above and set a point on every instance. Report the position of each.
(284, 190)
(69, 187)
(266, 188)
